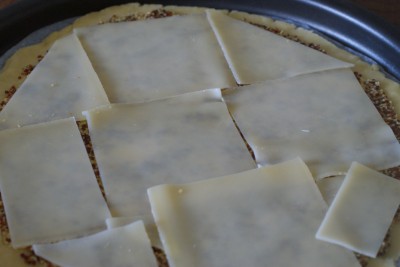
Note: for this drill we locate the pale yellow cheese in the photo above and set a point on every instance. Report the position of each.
(62, 85)
(362, 211)
(256, 55)
(262, 217)
(180, 139)
(146, 60)
(325, 118)
(48, 187)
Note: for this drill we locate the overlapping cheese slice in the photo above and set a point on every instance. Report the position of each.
(122, 246)
(146, 60)
(262, 217)
(256, 55)
(362, 211)
(180, 139)
(47, 184)
(325, 118)
(62, 85)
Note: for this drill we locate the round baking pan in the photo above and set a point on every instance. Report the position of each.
(339, 20)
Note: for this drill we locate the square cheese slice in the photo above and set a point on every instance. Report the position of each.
(262, 217)
(146, 60)
(325, 118)
(62, 85)
(47, 184)
(123, 246)
(180, 139)
(362, 211)
(255, 54)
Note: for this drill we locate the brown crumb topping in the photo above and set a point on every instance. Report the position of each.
(292, 37)
(161, 257)
(154, 14)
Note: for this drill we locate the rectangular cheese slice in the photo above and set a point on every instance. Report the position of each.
(325, 118)
(262, 217)
(47, 184)
(156, 58)
(362, 211)
(122, 246)
(62, 85)
(180, 139)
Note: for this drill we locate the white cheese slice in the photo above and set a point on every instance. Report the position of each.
(267, 216)
(122, 246)
(325, 118)
(329, 186)
(256, 55)
(362, 211)
(47, 184)
(146, 60)
(62, 85)
(179, 139)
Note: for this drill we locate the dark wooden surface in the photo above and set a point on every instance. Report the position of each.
(386, 9)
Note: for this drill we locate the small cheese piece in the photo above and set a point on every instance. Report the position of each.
(178, 139)
(146, 60)
(47, 184)
(362, 211)
(329, 186)
(62, 85)
(267, 216)
(122, 246)
(325, 118)
(255, 54)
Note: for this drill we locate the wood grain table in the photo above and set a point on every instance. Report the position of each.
(389, 10)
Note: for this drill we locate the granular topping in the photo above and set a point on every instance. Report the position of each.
(292, 37)
(155, 14)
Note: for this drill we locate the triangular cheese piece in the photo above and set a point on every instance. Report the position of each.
(362, 211)
(62, 85)
(262, 217)
(256, 55)
(324, 117)
(47, 184)
(122, 246)
(146, 60)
